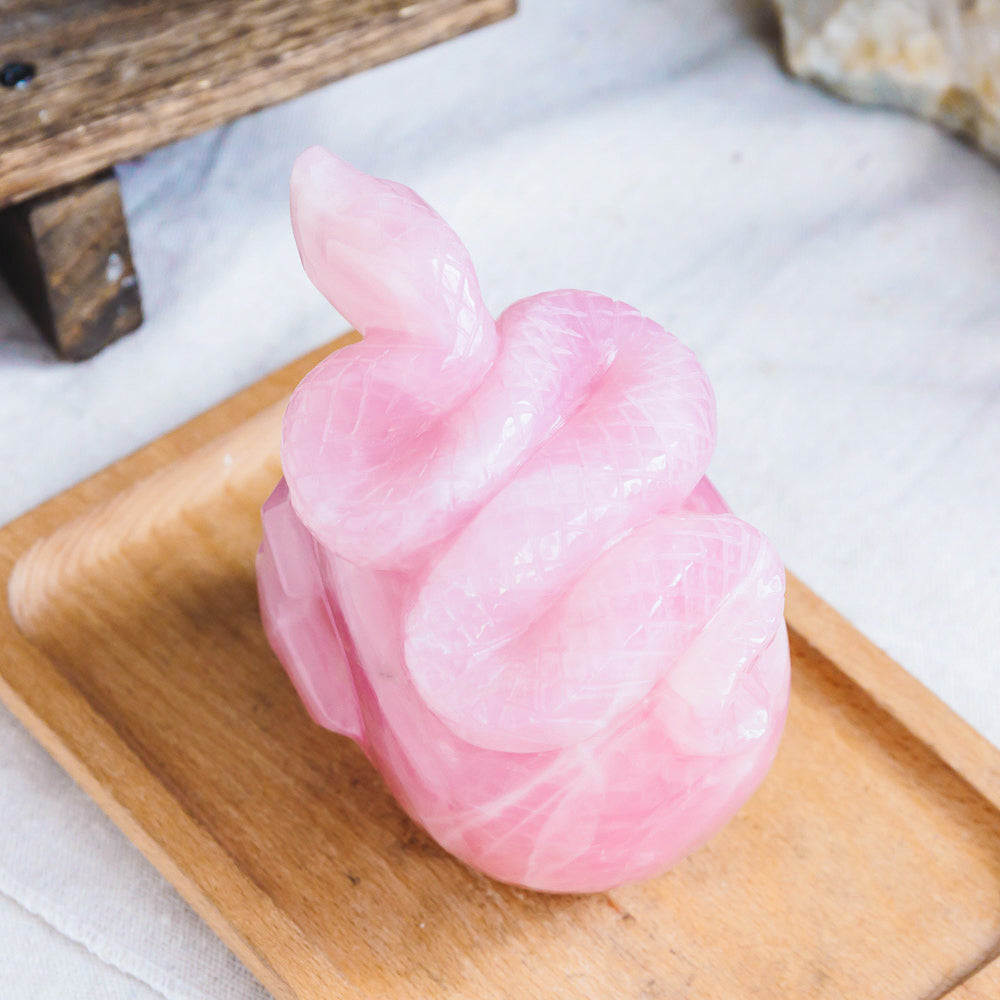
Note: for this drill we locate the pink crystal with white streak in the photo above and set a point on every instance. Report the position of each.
(494, 560)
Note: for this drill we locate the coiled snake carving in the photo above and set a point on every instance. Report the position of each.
(495, 561)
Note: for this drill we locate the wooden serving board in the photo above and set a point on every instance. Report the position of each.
(867, 865)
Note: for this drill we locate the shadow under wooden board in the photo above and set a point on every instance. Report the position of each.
(867, 865)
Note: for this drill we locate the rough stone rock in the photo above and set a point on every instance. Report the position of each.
(937, 58)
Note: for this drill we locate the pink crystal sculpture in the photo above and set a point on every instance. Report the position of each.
(494, 560)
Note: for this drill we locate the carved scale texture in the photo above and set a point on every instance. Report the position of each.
(495, 562)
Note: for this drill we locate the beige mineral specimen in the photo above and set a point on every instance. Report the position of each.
(937, 58)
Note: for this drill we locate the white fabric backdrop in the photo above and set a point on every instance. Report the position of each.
(836, 269)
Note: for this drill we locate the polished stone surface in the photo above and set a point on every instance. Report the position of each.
(494, 560)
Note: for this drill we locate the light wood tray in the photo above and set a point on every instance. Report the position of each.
(867, 866)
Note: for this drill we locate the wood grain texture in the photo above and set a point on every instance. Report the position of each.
(868, 864)
(67, 258)
(984, 985)
(114, 80)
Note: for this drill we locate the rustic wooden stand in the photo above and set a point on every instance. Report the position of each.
(85, 84)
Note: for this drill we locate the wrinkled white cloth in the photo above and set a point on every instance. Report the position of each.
(835, 268)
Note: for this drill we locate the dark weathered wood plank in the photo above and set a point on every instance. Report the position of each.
(114, 80)
(66, 256)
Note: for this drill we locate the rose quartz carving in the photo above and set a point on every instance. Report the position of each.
(494, 561)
